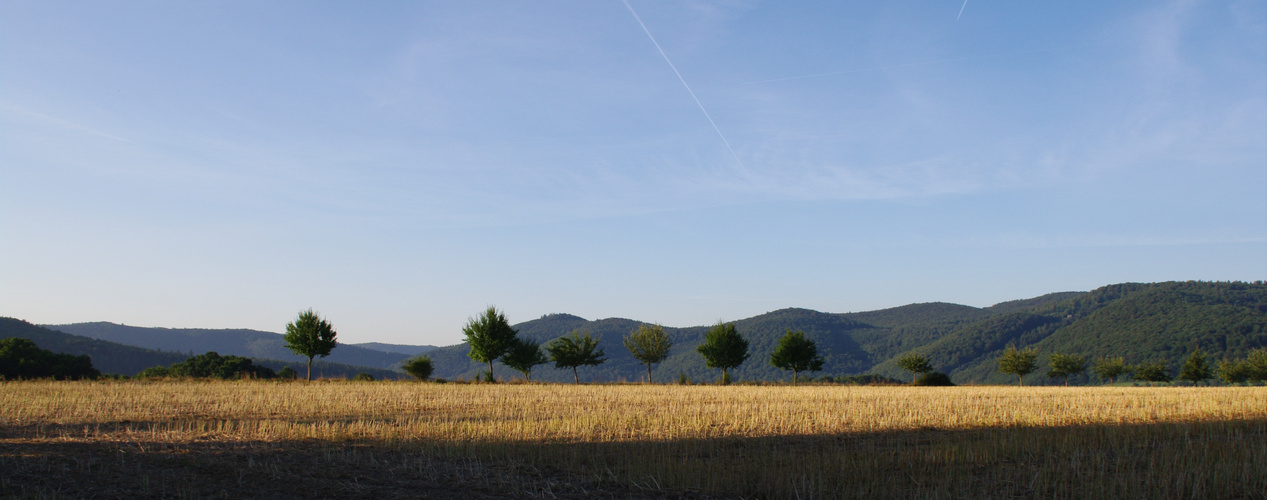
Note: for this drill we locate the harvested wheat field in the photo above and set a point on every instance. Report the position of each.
(336, 439)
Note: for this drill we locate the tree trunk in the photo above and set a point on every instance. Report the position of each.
(575, 377)
(793, 377)
(490, 371)
(648, 373)
(723, 377)
(310, 368)
(1021, 380)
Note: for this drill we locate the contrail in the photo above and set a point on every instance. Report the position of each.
(684, 84)
(965, 4)
(907, 65)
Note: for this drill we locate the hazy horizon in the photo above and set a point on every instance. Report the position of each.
(400, 167)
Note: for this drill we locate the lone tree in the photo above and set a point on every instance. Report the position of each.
(1196, 368)
(796, 353)
(1065, 365)
(648, 344)
(420, 367)
(523, 356)
(1111, 368)
(1018, 362)
(574, 351)
(490, 336)
(915, 364)
(723, 348)
(310, 335)
(1154, 371)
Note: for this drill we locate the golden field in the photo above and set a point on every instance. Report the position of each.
(399, 439)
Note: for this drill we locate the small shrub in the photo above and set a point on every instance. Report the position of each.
(155, 372)
(420, 367)
(362, 377)
(863, 379)
(934, 379)
(286, 373)
(682, 380)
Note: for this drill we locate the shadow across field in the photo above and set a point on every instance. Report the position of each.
(131, 460)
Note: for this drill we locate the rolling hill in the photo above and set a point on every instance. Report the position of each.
(238, 342)
(107, 357)
(1141, 321)
(112, 357)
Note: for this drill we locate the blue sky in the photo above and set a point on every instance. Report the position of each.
(402, 166)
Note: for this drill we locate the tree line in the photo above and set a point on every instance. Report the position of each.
(1196, 369)
(491, 338)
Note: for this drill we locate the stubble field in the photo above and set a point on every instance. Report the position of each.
(339, 439)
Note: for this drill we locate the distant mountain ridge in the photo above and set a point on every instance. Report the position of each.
(238, 342)
(111, 357)
(1139, 321)
(408, 350)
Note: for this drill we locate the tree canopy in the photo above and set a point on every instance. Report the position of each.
(575, 350)
(419, 367)
(310, 335)
(1111, 368)
(1152, 371)
(489, 336)
(1018, 362)
(723, 348)
(915, 363)
(796, 353)
(1196, 368)
(523, 356)
(1065, 365)
(648, 344)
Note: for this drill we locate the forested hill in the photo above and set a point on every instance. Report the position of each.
(107, 357)
(238, 342)
(111, 357)
(1142, 322)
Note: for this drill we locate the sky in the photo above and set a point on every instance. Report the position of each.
(400, 166)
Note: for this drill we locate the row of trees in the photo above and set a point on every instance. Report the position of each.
(1196, 368)
(491, 338)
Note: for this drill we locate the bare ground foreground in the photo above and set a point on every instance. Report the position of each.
(408, 440)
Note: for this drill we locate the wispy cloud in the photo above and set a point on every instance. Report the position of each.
(63, 123)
